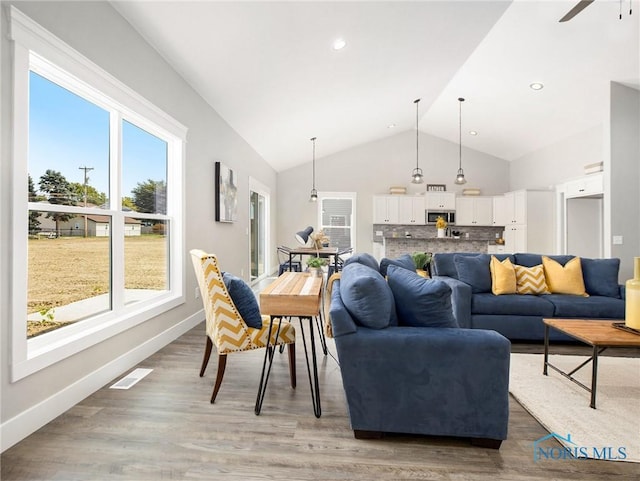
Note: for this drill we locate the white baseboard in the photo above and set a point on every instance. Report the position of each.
(19, 427)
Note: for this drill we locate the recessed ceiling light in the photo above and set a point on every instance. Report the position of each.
(339, 44)
(473, 132)
(391, 126)
(536, 86)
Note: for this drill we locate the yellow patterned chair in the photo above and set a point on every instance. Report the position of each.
(226, 328)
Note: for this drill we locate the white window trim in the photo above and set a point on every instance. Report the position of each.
(34, 45)
(340, 195)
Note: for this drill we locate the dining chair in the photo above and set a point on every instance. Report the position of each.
(284, 258)
(226, 328)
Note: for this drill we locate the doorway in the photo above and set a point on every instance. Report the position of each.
(258, 230)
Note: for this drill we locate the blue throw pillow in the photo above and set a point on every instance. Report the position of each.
(405, 261)
(601, 276)
(367, 296)
(420, 302)
(244, 300)
(363, 258)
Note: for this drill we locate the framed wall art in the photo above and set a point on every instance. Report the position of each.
(226, 193)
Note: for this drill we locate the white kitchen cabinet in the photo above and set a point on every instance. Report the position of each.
(516, 207)
(385, 209)
(499, 211)
(440, 201)
(530, 221)
(474, 211)
(411, 210)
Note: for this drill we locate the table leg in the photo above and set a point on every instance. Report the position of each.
(546, 349)
(313, 382)
(594, 376)
(268, 354)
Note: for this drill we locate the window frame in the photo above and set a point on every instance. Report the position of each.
(36, 49)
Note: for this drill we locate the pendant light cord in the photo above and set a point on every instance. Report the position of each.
(460, 100)
(313, 139)
(417, 133)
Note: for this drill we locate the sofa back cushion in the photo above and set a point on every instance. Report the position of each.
(405, 261)
(367, 296)
(530, 260)
(420, 302)
(474, 270)
(565, 279)
(363, 258)
(442, 263)
(601, 277)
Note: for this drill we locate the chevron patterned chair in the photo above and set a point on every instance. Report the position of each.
(226, 328)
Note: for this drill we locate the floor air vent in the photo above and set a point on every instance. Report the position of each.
(131, 379)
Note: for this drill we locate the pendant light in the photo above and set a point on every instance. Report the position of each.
(460, 177)
(314, 193)
(416, 176)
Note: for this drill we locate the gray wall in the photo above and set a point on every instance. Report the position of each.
(624, 175)
(371, 168)
(101, 34)
(558, 162)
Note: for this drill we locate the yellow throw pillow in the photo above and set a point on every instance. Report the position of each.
(564, 280)
(503, 277)
(530, 280)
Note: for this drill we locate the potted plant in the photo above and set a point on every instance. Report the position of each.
(315, 265)
(441, 225)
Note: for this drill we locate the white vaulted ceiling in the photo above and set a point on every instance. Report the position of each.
(269, 69)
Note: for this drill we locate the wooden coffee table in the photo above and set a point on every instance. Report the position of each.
(598, 334)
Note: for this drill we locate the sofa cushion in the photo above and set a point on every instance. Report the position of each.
(474, 270)
(530, 280)
(442, 263)
(503, 276)
(244, 299)
(405, 261)
(420, 302)
(530, 260)
(592, 307)
(363, 258)
(367, 296)
(601, 277)
(511, 304)
(565, 279)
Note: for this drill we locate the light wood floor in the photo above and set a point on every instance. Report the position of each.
(165, 428)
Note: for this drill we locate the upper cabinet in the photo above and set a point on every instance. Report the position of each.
(385, 209)
(440, 201)
(499, 211)
(411, 210)
(474, 211)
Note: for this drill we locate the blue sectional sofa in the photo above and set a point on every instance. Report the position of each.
(517, 316)
(406, 366)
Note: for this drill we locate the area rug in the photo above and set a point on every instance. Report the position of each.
(609, 432)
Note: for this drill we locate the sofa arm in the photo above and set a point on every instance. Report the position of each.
(460, 300)
(439, 381)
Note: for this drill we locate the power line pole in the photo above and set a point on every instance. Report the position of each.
(86, 180)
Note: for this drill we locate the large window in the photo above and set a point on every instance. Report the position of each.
(97, 209)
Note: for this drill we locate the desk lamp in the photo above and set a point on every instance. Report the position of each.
(303, 235)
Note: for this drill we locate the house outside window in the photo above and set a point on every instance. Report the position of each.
(337, 218)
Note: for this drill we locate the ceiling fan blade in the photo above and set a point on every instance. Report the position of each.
(579, 7)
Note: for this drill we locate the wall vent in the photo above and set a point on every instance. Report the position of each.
(131, 379)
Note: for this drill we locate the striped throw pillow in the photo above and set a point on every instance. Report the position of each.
(530, 280)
